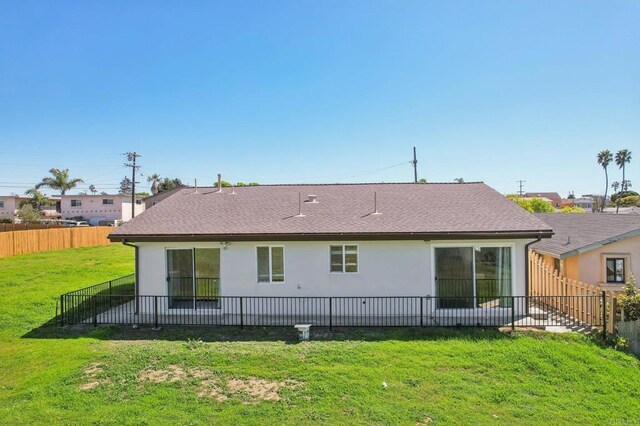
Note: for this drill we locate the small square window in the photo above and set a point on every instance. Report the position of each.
(343, 258)
(107, 201)
(76, 203)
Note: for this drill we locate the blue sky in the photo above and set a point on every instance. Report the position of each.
(320, 91)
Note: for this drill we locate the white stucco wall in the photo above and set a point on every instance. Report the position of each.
(10, 207)
(92, 207)
(386, 268)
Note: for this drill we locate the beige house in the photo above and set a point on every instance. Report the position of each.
(96, 208)
(593, 248)
(10, 204)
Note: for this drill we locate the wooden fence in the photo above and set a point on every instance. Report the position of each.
(7, 227)
(544, 280)
(33, 241)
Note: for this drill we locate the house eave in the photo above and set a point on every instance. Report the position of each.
(336, 236)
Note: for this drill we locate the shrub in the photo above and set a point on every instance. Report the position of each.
(630, 201)
(629, 301)
(571, 209)
(6, 220)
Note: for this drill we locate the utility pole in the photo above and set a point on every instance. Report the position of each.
(521, 183)
(131, 158)
(415, 166)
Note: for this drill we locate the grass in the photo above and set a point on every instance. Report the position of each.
(120, 375)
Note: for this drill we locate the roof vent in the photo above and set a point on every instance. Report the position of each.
(311, 199)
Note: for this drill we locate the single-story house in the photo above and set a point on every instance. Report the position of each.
(553, 197)
(465, 244)
(593, 248)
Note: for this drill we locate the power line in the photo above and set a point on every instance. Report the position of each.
(521, 183)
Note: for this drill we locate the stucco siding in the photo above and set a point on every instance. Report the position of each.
(592, 268)
(385, 268)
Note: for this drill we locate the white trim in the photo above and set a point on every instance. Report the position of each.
(284, 269)
(603, 266)
(344, 258)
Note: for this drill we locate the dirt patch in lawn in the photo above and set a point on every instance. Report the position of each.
(171, 374)
(251, 390)
(92, 373)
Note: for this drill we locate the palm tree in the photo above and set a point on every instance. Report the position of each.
(59, 180)
(615, 186)
(622, 158)
(155, 180)
(604, 158)
(93, 190)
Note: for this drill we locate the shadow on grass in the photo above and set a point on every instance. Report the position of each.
(52, 330)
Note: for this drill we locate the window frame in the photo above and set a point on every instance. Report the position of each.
(624, 269)
(344, 259)
(1, 204)
(107, 203)
(76, 202)
(270, 266)
(473, 245)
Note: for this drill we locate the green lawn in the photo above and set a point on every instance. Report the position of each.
(111, 375)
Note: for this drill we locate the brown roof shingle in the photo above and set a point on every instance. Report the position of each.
(270, 211)
(581, 232)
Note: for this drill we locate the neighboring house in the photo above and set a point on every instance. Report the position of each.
(96, 208)
(10, 204)
(455, 241)
(592, 248)
(553, 197)
(156, 198)
(585, 203)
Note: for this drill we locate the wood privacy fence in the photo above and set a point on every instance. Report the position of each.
(544, 280)
(33, 241)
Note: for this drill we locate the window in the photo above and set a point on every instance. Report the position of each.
(107, 201)
(76, 203)
(468, 277)
(556, 264)
(615, 270)
(344, 259)
(270, 261)
(1, 204)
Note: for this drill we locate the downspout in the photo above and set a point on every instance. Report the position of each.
(526, 270)
(137, 281)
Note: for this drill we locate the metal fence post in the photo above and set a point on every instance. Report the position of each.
(241, 315)
(61, 310)
(421, 311)
(604, 314)
(110, 294)
(155, 312)
(331, 313)
(513, 314)
(94, 302)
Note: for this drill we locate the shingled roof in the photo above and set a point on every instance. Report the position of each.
(342, 211)
(577, 233)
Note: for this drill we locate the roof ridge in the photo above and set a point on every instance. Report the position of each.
(337, 184)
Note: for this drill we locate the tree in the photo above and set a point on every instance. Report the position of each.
(422, 180)
(604, 158)
(92, 189)
(623, 157)
(38, 199)
(59, 180)
(155, 181)
(167, 184)
(125, 186)
(533, 205)
(28, 213)
(630, 201)
(458, 180)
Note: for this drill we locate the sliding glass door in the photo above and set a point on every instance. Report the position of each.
(468, 277)
(193, 277)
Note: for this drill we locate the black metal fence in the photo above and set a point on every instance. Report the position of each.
(77, 306)
(102, 307)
